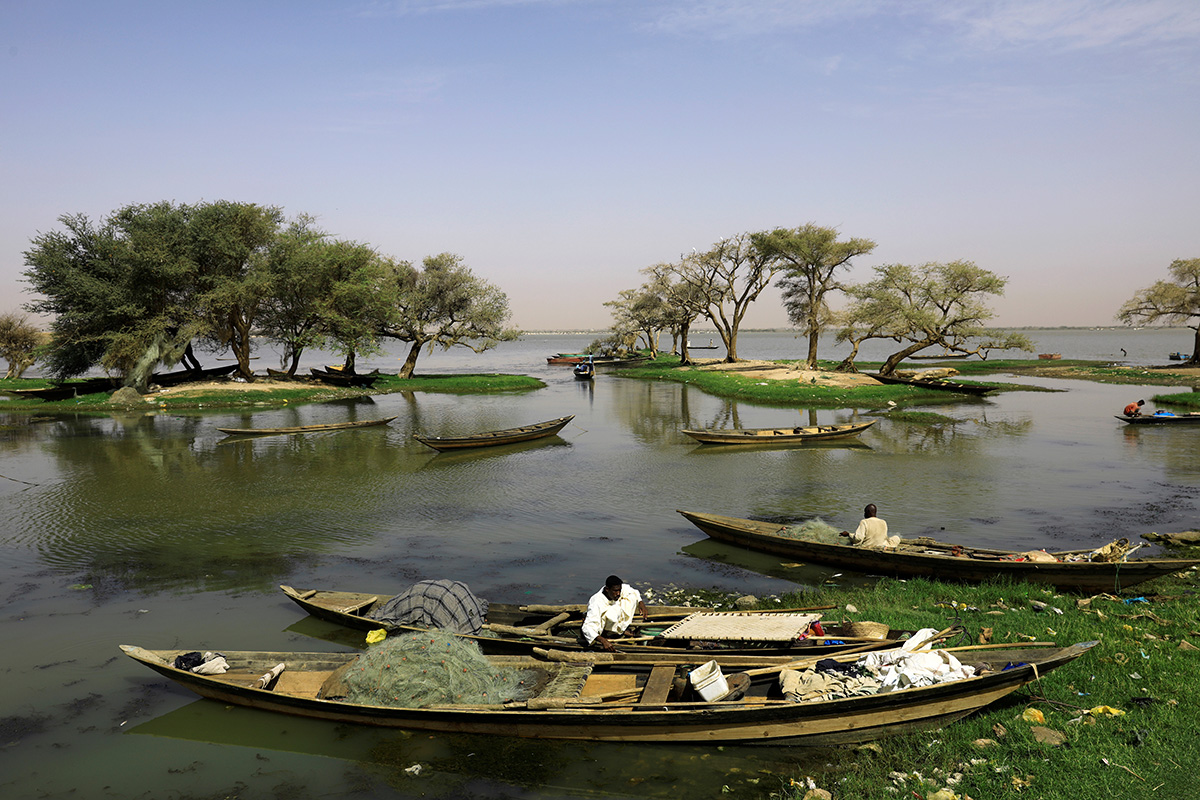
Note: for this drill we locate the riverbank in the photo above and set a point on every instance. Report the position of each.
(1115, 723)
(264, 392)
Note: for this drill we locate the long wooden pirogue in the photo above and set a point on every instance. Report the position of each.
(525, 433)
(517, 630)
(930, 559)
(329, 426)
(800, 435)
(621, 702)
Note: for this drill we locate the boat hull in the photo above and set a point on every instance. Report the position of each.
(1192, 418)
(912, 560)
(752, 436)
(940, 386)
(757, 719)
(333, 426)
(493, 438)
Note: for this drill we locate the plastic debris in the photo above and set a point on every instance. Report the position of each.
(376, 636)
(1108, 711)
(1033, 715)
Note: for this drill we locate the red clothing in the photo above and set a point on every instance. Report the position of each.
(1131, 410)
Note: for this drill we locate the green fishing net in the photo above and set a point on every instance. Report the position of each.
(814, 530)
(432, 668)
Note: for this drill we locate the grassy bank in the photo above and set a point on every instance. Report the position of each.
(1145, 668)
(232, 394)
(790, 393)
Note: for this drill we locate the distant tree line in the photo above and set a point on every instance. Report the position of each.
(916, 306)
(151, 283)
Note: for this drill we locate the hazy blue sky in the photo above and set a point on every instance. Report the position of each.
(560, 146)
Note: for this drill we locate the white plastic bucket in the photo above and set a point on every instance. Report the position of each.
(708, 681)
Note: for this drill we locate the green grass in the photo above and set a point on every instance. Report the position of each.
(1138, 668)
(243, 397)
(785, 393)
(1186, 399)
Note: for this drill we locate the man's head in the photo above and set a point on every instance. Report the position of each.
(612, 587)
(869, 511)
(1141, 402)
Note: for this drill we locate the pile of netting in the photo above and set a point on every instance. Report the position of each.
(814, 530)
(432, 668)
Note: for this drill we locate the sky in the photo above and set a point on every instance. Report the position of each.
(562, 146)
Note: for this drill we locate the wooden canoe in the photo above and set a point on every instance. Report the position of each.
(929, 559)
(342, 378)
(974, 389)
(639, 708)
(192, 375)
(490, 438)
(329, 426)
(517, 630)
(66, 391)
(777, 435)
(1191, 418)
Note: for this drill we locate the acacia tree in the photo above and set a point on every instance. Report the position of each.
(1173, 302)
(727, 278)
(229, 244)
(643, 311)
(934, 304)
(443, 304)
(19, 341)
(684, 302)
(117, 291)
(810, 257)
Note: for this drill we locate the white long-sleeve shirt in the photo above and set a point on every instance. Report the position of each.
(606, 616)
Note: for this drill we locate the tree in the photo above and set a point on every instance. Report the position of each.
(810, 257)
(727, 278)
(1172, 302)
(117, 291)
(443, 305)
(229, 243)
(684, 302)
(643, 311)
(19, 341)
(934, 304)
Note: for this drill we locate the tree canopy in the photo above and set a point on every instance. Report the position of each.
(933, 304)
(443, 304)
(810, 257)
(725, 280)
(19, 342)
(1170, 302)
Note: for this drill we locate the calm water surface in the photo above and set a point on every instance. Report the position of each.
(158, 531)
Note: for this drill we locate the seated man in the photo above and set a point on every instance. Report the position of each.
(609, 613)
(872, 532)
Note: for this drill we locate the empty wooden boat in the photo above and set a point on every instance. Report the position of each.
(801, 435)
(329, 426)
(490, 438)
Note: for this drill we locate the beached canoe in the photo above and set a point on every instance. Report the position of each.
(329, 426)
(516, 630)
(801, 435)
(930, 559)
(1191, 418)
(937, 385)
(621, 702)
(490, 438)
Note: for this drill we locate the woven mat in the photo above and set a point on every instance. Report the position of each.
(742, 627)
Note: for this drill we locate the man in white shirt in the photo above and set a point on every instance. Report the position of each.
(609, 613)
(872, 532)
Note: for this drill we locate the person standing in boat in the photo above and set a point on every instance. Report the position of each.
(609, 613)
(1134, 409)
(872, 532)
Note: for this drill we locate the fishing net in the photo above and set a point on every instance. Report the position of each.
(431, 668)
(814, 530)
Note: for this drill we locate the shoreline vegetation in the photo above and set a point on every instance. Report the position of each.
(778, 383)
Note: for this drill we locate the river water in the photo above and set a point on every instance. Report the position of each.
(156, 530)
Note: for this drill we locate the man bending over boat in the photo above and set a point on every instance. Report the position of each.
(609, 613)
(872, 532)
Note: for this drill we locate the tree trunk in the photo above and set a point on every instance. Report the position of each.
(348, 366)
(813, 334)
(239, 343)
(410, 363)
(889, 366)
(847, 364)
(684, 331)
(1195, 359)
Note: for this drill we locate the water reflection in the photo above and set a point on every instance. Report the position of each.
(422, 764)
